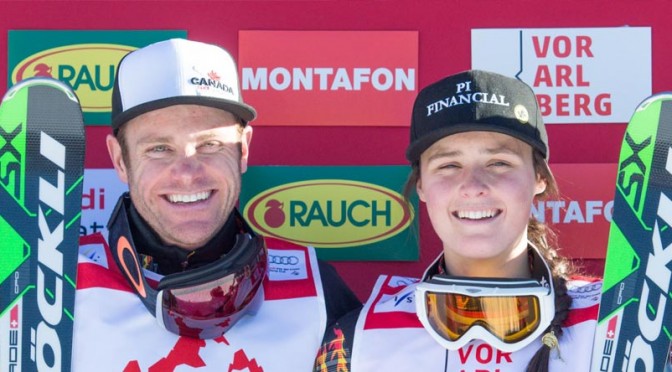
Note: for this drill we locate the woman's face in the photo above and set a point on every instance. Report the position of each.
(478, 188)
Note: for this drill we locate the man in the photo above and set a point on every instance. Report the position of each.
(182, 280)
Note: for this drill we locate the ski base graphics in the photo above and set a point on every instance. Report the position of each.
(41, 172)
(635, 318)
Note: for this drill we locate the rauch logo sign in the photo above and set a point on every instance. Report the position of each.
(88, 68)
(329, 213)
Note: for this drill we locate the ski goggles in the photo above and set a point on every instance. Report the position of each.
(506, 313)
(200, 303)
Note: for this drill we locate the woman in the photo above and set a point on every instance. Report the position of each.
(498, 297)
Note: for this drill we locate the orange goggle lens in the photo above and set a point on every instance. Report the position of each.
(509, 318)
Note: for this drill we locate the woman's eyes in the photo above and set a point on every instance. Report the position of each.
(499, 164)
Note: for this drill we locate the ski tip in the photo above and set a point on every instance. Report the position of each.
(43, 81)
(662, 96)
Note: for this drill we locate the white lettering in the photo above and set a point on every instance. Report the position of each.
(55, 152)
(280, 78)
(639, 350)
(573, 211)
(47, 337)
(329, 79)
(49, 257)
(361, 76)
(52, 313)
(341, 80)
(592, 209)
(650, 328)
(656, 267)
(324, 73)
(302, 79)
(255, 79)
(466, 98)
(404, 79)
(382, 79)
(464, 86)
(609, 210)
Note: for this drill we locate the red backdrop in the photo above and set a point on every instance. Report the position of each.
(444, 29)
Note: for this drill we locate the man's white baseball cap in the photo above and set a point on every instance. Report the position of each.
(173, 72)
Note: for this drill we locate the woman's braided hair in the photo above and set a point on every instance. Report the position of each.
(544, 238)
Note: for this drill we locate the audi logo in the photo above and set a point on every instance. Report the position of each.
(283, 260)
(587, 288)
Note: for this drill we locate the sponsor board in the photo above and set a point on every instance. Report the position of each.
(347, 213)
(330, 77)
(286, 265)
(100, 193)
(578, 74)
(85, 60)
(581, 216)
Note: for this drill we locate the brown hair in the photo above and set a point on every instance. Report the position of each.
(545, 239)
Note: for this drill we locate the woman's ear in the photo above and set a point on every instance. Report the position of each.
(540, 185)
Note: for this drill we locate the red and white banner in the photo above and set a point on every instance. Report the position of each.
(580, 75)
(581, 217)
(339, 78)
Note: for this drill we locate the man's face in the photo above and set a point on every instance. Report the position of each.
(183, 170)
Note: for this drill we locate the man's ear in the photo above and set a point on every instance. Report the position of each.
(245, 140)
(114, 149)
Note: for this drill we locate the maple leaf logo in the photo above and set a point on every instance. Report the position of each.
(241, 362)
(213, 75)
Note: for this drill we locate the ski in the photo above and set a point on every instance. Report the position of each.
(42, 144)
(634, 327)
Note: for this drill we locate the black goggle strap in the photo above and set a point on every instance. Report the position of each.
(125, 255)
(541, 272)
(433, 268)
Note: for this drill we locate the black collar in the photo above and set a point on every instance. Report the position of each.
(168, 259)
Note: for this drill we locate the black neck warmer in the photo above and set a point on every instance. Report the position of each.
(169, 259)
